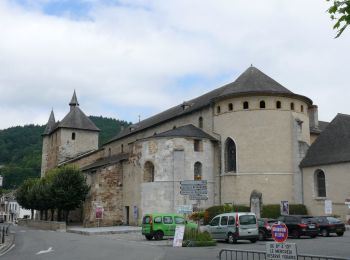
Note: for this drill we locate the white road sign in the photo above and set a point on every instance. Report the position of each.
(281, 251)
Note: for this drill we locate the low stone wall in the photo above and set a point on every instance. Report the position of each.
(41, 224)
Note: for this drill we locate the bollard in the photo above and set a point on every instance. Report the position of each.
(7, 230)
(3, 235)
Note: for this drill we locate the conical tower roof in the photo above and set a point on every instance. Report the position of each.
(76, 118)
(74, 100)
(50, 124)
(254, 81)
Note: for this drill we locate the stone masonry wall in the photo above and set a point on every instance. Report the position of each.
(106, 191)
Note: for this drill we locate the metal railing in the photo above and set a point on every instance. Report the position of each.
(233, 254)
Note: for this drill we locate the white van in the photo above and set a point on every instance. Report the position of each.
(234, 226)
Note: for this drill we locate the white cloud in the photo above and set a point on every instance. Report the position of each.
(126, 59)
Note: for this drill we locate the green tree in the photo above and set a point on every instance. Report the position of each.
(340, 12)
(25, 195)
(69, 189)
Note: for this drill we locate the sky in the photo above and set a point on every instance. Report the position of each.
(131, 59)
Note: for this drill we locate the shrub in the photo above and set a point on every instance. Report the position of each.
(216, 210)
(194, 237)
(273, 210)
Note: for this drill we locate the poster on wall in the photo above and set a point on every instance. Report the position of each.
(328, 207)
(284, 208)
(99, 212)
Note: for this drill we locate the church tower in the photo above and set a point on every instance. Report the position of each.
(75, 135)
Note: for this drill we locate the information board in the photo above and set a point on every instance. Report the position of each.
(179, 235)
(283, 251)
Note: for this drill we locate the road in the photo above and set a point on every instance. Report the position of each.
(39, 244)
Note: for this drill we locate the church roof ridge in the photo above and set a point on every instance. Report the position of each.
(248, 83)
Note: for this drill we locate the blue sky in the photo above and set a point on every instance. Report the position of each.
(135, 57)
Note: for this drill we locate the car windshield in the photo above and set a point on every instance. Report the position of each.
(146, 220)
(332, 220)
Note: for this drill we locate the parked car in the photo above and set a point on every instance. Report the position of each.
(265, 225)
(299, 225)
(158, 225)
(234, 226)
(330, 225)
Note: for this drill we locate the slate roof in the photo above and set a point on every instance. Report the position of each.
(51, 124)
(186, 131)
(106, 161)
(76, 119)
(250, 82)
(332, 146)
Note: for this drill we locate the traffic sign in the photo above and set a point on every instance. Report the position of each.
(193, 192)
(279, 232)
(194, 182)
(281, 251)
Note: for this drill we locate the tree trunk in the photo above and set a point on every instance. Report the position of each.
(59, 214)
(52, 214)
(41, 214)
(45, 214)
(32, 213)
(66, 216)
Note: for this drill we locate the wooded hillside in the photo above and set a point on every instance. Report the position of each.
(20, 149)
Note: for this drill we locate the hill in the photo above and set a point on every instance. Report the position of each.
(20, 149)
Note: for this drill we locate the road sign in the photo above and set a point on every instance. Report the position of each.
(279, 232)
(279, 251)
(193, 192)
(184, 209)
(198, 197)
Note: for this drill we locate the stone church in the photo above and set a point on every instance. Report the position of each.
(254, 141)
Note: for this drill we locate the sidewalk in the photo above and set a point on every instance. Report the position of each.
(103, 230)
(9, 241)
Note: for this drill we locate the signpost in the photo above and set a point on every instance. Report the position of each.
(98, 214)
(280, 250)
(184, 209)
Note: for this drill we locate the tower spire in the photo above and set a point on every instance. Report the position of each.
(50, 124)
(74, 100)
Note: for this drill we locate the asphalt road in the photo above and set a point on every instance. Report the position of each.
(38, 244)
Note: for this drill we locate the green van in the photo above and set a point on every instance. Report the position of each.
(158, 225)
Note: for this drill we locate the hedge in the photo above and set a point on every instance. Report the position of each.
(273, 210)
(211, 212)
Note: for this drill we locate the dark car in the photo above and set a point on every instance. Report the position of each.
(265, 225)
(330, 225)
(300, 225)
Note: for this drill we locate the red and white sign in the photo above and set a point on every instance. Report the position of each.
(279, 232)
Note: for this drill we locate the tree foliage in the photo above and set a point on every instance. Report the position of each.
(340, 12)
(62, 188)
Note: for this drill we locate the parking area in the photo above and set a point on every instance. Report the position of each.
(328, 246)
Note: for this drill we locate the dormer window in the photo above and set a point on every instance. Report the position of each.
(73, 136)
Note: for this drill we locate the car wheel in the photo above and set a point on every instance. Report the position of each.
(295, 234)
(231, 238)
(261, 236)
(149, 237)
(339, 234)
(324, 232)
(253, 240)
(313, 236)
(158, 235)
